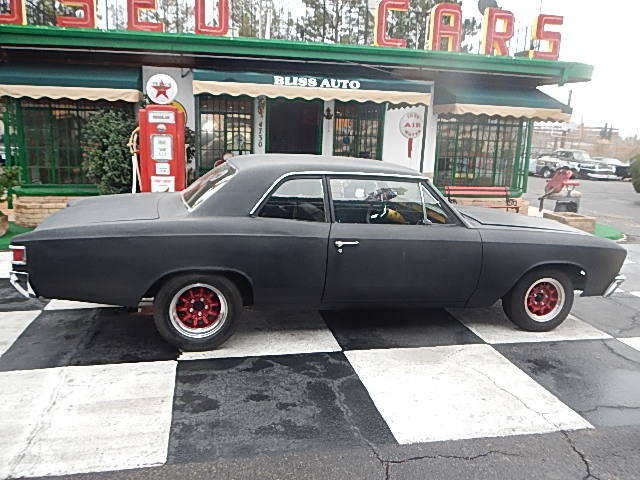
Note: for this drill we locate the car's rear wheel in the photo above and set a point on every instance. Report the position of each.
(546, 172)
(197, 312)
(540, 301)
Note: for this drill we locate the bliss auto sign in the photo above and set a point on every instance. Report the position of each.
(445, 24)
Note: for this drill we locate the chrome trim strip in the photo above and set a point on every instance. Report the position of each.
(15, 281)
(327, 172)
(19, 247)
(614, 285)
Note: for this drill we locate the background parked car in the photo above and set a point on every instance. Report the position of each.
(622, 169)
(579, 161)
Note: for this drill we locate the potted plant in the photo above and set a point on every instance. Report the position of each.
(9, 178)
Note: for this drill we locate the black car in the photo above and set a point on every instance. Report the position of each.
(312, 231)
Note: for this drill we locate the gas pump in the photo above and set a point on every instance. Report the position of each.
(162, 162)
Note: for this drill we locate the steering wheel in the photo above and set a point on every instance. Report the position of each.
(380, 216)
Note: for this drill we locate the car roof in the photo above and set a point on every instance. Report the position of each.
(276, 164)
(256, 174)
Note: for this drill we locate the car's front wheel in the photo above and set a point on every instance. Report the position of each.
(540, 301)
(197, 312)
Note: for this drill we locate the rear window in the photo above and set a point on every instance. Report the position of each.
(196, 193)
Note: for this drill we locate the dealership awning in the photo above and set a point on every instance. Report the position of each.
(518, 102)
(310, 87)
(71, 81)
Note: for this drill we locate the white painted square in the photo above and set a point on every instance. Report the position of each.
(633, 342)
(457, 392)
(72, 305)
(12, 324)
(5, 264)
(274, 333)
(85, 419)
(493, 326)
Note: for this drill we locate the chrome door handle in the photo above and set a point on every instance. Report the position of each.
(339, 244)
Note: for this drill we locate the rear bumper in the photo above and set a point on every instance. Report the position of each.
(614, 285)
(20, 281)
(600, 176)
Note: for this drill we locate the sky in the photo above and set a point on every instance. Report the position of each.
(602, 34)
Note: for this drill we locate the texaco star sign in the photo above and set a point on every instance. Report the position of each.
(161, 88)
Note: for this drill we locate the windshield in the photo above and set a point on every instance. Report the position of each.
(207, 185)
(582, 156)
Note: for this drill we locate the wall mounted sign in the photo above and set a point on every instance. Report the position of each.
(445, 24)
(315, 82)
(411, 125)
(161, 88)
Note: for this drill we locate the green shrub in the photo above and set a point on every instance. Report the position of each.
(107, 161)
(635, 172)
(9, 178)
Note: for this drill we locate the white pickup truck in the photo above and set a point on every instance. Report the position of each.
(578, 161)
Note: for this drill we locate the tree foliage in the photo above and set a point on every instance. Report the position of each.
(635, 172)
(9, 178)
(107, 160)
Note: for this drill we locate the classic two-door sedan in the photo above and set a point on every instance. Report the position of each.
(311, 231)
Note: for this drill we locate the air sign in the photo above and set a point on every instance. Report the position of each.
(445, 24)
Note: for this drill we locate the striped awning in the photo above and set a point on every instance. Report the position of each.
(310, 87)
(73, 82)
(517, 102)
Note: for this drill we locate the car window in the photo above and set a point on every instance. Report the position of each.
(434, 209)
(376, 201)
(207, 185)
(297, 199)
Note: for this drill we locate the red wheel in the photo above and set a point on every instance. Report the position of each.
(540, 301)
(197, 311)
(544, 299)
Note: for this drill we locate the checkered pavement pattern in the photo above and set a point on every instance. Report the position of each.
(89, 388)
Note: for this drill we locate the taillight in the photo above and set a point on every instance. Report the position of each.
(19, 255)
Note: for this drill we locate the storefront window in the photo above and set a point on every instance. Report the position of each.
(482, 151)
(358, 130)
(225, 124)
(43, 136)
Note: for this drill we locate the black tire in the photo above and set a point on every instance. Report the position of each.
(546, 172)
(530, 316)
(210, 331)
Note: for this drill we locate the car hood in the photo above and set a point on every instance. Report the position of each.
(495, 217)
(105, 209)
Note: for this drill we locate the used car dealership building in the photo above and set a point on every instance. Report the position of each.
(462, 119)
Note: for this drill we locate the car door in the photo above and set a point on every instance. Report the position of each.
(289, 243)
(387, 245)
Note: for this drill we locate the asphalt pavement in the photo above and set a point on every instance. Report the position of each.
(613, 203)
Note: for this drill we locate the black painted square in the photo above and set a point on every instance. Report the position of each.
(249, 406)
(599, 379)
(367, 329)
(11, 300)
(59, 338)
(618, 316)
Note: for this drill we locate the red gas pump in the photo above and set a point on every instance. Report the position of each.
(162, 152)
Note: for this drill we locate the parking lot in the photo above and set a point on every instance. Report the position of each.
(613, 203)
(359, 394)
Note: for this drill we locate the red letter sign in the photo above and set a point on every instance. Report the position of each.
(223, 19)
(16, 15)
(133, 16)
(88, 19)
(494, 40)
(552, 38)
(380, 34)
(445, 22)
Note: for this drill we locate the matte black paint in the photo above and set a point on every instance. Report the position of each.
(113, 249)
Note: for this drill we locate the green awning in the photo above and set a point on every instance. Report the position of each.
(288, 85)
(70, 81)
(518, 102)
